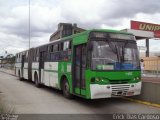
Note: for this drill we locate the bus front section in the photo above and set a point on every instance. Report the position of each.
(114, 65)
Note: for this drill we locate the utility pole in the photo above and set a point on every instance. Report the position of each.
(29, 27)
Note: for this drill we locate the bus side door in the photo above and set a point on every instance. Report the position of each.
(79, 67)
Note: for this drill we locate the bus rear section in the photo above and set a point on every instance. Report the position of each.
(23, 63)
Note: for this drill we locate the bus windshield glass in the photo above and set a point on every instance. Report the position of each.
(114, 54)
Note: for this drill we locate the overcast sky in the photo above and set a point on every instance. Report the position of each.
(46, 14)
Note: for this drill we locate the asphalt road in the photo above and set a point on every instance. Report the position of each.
(25, 98)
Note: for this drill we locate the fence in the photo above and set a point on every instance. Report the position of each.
(152, 66)
(7, 66)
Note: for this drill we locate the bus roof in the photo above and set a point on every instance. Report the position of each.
(84, 32)
(110, 31)
(96, 30)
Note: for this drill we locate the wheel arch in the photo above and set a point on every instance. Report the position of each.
(36, 73)
(62, 78)
(19, 72)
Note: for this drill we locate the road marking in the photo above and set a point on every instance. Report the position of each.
(142, 102)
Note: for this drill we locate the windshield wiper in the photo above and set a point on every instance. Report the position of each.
(114, 48)
(123, 51)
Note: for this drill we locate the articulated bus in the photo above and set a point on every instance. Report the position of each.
(92, 64)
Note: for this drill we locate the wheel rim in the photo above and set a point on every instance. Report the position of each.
(66, 88)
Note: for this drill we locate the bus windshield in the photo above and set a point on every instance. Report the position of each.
(114, 55)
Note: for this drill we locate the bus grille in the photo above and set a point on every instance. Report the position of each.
(118, 81)
(120, 90)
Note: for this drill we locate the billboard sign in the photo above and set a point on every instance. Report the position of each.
(136, 25)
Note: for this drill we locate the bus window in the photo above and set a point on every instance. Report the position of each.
(17, 58)
(34, 55)
(20, 57)
(66, 45)
(48, 48)
(51, 48)
(37, 53)
(60, 47)
(26, 57)
(83, 67)
(37, 59)
(70, 45)
(55, 48)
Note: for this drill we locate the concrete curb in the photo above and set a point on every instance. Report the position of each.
(142, 102)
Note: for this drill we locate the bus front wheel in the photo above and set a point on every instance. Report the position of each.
(66, 89)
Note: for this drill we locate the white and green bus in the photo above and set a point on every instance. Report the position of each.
(92, 64)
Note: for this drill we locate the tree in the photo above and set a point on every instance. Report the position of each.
(10, 59)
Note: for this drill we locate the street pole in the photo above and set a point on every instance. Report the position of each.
(29, 26)
(147, 46)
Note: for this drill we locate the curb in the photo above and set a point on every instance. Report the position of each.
(142, 102)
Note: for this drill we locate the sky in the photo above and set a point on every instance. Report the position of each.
(88, 14)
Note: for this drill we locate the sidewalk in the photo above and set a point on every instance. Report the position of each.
(7, 70)
(151, 75)
(151, 79)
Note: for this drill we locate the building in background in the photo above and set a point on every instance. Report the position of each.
(145, 31)
(64, 30)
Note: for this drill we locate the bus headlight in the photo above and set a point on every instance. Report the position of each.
(137, 78)
(97, 79)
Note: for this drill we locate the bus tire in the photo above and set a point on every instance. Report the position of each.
(19, 76)
(66, 89)
(36, 81)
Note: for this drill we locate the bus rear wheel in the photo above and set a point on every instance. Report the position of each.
(66, 89)
(19, 76)
(37, 83)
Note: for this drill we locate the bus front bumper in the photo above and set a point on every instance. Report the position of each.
(114, 90)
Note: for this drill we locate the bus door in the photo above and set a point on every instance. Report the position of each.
(41, 65)
(79, 65)
(22, 67)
